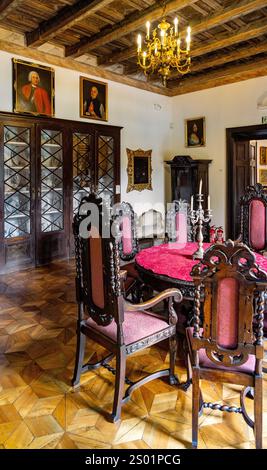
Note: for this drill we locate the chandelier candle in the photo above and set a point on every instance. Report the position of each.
(163, 51)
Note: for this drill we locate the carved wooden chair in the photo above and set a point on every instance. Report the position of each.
(229, 347)
(150, 228)
(178, 227)
(253, 218)
(254, 226)
(103, 313)
(124, 215)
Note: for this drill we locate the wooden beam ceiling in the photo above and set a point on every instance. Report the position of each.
(130, 23)
(242, 53)
(6, 6)
(216, 19)
(64, 19)
(225, 76)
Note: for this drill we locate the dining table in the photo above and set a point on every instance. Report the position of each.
(170, 264)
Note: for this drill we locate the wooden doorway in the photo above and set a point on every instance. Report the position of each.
(241, 169)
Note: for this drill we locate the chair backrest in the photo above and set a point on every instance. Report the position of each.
(151, 224)
(177, 222)
(254, 217)
(124, 214)
(97, 261)
(232, 284)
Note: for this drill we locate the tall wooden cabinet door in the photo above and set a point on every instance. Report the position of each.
(52, 224)
(241, 179)
(107, 165)
(83, 171)
(17, 204)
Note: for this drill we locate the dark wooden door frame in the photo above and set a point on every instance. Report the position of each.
(255, 132)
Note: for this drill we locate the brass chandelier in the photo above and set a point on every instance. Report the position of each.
(164, 51)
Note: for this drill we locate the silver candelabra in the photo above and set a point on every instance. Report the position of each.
(198, 218)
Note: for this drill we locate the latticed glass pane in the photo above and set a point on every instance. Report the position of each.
(17, 182)
(106, 168)
(52, 194)
(83, 170)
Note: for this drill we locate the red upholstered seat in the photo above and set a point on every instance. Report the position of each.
(248, 367)
(181, 228)
(127, 243)
(137, 325)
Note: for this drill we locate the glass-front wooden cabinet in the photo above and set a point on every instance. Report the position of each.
(47, 167)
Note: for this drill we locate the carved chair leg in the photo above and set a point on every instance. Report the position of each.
(80, 348)
(173, 350)
(258, 412)
(195, 406)
(119, 384)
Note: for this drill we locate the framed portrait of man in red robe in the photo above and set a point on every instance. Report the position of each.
(33, 88)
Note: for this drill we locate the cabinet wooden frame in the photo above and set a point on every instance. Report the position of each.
(40, 247)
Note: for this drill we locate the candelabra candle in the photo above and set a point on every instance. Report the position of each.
(198, 218)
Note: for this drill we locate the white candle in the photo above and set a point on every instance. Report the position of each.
(147, 29)
(162, 34)
(192, 202)
(188, 39)
(200, 187)
(144, 58)
(208, 202)
(176, 26)
(139, 43)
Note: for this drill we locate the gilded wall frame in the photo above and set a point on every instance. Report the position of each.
(139, 170)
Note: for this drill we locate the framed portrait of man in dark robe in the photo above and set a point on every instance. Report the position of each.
(33, 88)
(93, 99)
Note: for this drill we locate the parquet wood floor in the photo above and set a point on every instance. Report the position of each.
(38, 407)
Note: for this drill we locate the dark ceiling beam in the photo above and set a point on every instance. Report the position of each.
(65, 18)
(216, 19)
(131, 23)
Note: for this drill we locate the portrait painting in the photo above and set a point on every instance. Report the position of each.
(263, 155)
(263, 177)
(139, 170)
(33, 88)
(93, 99)
(195, 132)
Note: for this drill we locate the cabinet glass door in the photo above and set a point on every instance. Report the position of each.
(83, 167)
(17, 182)
(106, 166)
(52, 189)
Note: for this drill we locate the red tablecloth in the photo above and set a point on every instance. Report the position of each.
(175, 260)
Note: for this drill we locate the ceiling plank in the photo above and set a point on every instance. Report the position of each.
(6, 6)
(230, 74)
(66, 18)
(216, 19)
(131, 23)
(226, 58)
(72, 64)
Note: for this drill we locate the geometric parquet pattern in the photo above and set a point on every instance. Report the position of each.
(40, 410)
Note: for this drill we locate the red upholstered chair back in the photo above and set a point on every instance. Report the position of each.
(230, 281)
(177, 222)
(97, 261)
(124, 214)
(253, 217)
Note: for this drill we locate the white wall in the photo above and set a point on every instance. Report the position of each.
(146, 118)
(226, 106)
(145, 125)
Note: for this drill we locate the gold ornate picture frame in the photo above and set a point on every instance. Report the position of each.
(139, 170)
